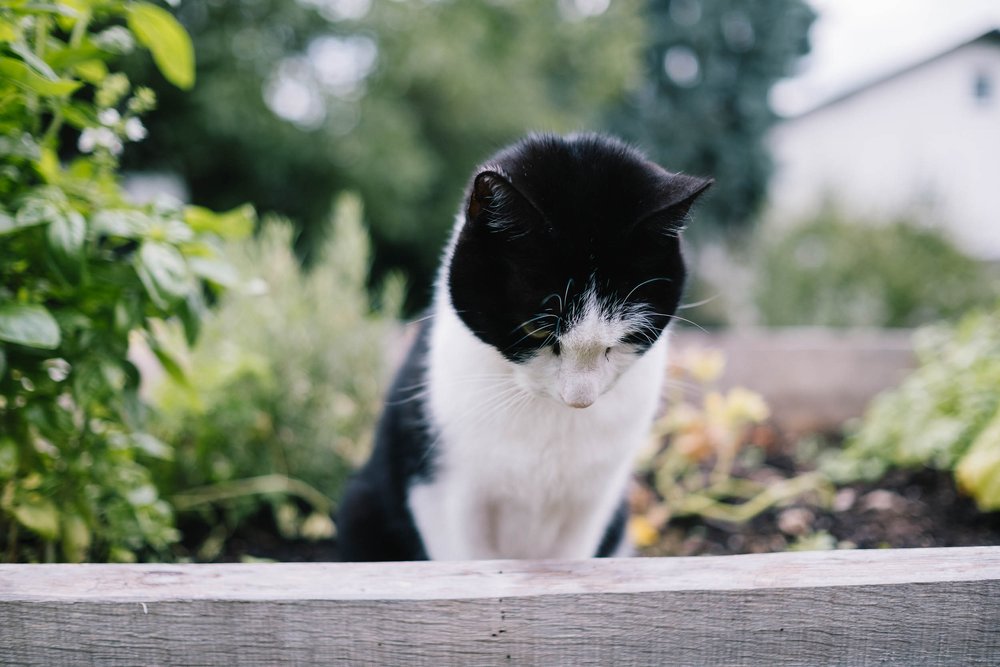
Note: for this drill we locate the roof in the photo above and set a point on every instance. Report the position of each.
(824, 99)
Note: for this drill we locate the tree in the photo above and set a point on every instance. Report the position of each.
(703, 107)
(397, 100)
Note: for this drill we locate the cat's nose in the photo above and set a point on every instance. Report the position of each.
(579, 394)
(580, 403)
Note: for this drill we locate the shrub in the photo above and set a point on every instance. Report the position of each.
(945, 415)
(836, 273)
(81, 271)
(283, 389)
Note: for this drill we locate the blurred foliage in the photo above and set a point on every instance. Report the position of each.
(81, 272)
(833, 272)
(946, 415)
(399, 102)
(283, 388)
(703, 105)
(696, 444)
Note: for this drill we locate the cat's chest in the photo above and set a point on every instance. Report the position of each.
(494, 434)
(534, 446)
(517, 473)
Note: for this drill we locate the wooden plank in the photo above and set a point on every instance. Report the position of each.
(905, 607)
(783, 364)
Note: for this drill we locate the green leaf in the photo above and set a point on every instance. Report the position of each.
(92, 71)
(30, 325)
(159, 31)
(978, 472)
(44, 8)
(3, 363)
(72, 320)
(163, 272)
(8, 31)
(128, 315)
(37, 211)
(66, 235)
(80, 116)
(63, 59)
(120, 555)
(153, 446)
(39, 516)
(169, 363)
(171, 366)
(191, 313)
(33, 61)
(8, 458)
(113, 373)
(23, 145)
(48, 166)
(76, 538)
(126, 223)
(173, 232)
(214, 270)
(24, 77)
(234, 224)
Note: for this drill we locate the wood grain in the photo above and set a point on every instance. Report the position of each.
(902, 607)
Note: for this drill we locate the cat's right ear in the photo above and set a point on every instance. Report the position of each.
(482, 195)
(494, 202)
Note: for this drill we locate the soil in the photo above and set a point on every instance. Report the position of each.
(919, 508)
(906, 508)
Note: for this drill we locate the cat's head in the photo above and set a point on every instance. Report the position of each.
(568, 259)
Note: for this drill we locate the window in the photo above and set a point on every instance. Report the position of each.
(982, 87)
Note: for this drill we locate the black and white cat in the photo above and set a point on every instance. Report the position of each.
(512, 426)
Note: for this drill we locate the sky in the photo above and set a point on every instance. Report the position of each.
(854, 41)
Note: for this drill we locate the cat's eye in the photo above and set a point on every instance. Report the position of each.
(535, 332)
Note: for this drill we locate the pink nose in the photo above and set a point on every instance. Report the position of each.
(580, 395)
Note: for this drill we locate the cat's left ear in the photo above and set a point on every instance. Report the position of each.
(677, 194)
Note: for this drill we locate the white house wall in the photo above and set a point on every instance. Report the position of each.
(920, 141)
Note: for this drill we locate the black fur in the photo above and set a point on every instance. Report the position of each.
(547, 216)
(374, 522)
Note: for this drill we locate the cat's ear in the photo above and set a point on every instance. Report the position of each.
(677, 193)
(496, 203)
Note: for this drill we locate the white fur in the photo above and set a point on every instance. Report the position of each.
(520, 473)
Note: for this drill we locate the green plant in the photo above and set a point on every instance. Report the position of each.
(695, 449)
(83, 272)
(283, 387)
(832, 272)
(945, 415)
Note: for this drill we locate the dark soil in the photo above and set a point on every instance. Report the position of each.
(920, 508)
(257, 538)
(915, 508)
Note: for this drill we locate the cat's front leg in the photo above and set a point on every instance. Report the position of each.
(583, 534)
(454, 524)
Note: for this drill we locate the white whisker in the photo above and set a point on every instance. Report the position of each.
(694, 324)
(710, 299)
(533, 319)
(645, 282)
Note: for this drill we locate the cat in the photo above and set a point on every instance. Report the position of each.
(513, 423)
